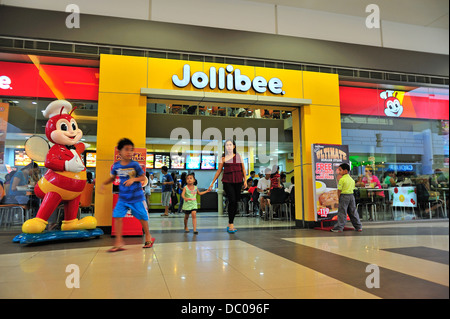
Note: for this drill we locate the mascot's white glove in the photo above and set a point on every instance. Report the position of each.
(74, 165)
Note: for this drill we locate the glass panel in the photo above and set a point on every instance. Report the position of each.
(407, 157)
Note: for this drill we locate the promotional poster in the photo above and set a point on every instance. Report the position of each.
(326, 158)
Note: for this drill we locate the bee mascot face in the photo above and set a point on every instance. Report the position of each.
(65, 178)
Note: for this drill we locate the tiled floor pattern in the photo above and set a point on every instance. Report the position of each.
(254, 263)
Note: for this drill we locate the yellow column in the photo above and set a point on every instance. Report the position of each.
(319, 122)
(296, 134)
(122, 112)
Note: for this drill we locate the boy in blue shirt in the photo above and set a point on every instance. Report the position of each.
(166, 190)
(131, 195)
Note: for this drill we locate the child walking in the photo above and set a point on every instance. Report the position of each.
(189, 196)
(131, 195)
(347, 203)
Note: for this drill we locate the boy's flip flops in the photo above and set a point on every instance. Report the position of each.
(149, 244)
(115, 249)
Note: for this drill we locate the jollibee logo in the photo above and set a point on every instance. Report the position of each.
(5, 82)
(392, 105)
(229, 78)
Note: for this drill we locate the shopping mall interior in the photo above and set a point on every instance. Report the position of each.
(281, 95)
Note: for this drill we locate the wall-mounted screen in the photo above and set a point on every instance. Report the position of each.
(21, 158)
(177, 161)
(162, 160)
(193, 161)
(91, 159)
(149, 163)
(208, 161)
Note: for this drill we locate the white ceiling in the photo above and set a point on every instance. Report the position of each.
(428, 13)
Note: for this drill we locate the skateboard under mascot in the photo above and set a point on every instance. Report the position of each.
(65, 178)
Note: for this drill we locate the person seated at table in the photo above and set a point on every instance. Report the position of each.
(275, 177)
(245, 194)
(249, 184)
(389, 179)
(254, 185)
(439, 179)
(426, 196)
(282, 180)
(17, 188)
(371, 181)
(20, 179)
(263, 189)
(289, 189)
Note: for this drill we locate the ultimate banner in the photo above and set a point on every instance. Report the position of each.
(326, 158)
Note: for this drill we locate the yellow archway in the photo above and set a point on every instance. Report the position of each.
(126, 81)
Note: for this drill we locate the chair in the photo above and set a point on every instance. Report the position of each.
(253, 202)
(362, 200)
(428, 199)
(9, 213)
(386, 204)
(12, 208)
(86, 199)
(382, 206)
(278, 200)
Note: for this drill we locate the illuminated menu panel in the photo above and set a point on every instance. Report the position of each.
(193, 161)
(150, 161)
(91, 159)
(208, 162)
(21, 158)
(177, 162)
(162, 160)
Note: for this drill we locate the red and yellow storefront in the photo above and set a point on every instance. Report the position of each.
(126, 83)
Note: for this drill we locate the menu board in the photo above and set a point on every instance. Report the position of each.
(162, 160)
(193, 161)
(149, 163)
(21, 158)
(177, 162)
(326, 158)
(208, 162)
(91, 159)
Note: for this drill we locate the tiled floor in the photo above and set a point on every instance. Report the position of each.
(272, 261)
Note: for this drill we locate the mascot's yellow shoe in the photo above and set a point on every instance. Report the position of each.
(88, 222)
(34, 226)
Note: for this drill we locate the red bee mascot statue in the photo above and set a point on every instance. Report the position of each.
(66, 175)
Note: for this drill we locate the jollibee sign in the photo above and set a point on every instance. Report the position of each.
(229, 78)
(223, 78)
(5, 82)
